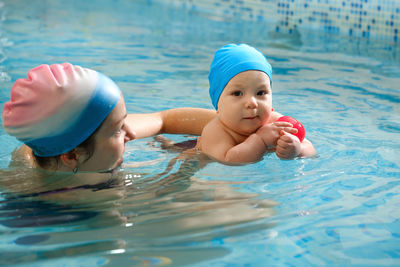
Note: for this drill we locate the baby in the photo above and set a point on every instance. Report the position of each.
(246, 125)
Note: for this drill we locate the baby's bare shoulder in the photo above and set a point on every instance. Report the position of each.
(215, 140)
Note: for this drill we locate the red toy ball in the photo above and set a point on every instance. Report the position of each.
(301, 132)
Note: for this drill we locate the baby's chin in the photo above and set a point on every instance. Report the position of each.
(248, 131)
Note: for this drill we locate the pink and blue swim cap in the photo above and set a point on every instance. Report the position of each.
(58, 107)
(231, 60)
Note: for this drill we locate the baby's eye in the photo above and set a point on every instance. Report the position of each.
(262, 92)
(237, 93)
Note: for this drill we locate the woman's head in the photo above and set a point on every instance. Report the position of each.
(58, 107)
(109, 143)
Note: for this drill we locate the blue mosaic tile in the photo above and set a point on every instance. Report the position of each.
(369, 19)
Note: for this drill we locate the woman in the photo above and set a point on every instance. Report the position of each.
(73, 119)
(74, 127)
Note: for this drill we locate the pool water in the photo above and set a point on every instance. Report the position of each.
(337, 209)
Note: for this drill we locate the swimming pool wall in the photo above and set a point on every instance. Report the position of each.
(367, 19)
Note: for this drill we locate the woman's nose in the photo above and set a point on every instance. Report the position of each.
(129, 134)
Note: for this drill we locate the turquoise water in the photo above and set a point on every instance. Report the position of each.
(338, 209)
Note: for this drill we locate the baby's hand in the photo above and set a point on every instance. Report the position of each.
(271, 132)
(288, 146)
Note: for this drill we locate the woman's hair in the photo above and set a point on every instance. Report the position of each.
(88, 146)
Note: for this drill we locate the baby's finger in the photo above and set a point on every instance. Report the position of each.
(287, 137)
(282, 144)
(283, 124)
(290, 130)
(282, 155)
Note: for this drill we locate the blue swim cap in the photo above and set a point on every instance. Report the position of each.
(231, 60)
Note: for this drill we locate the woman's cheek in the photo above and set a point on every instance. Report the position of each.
(121, 143)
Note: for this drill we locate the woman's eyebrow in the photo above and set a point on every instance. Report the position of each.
(119, 121)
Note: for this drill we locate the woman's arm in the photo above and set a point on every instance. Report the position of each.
(174, 121)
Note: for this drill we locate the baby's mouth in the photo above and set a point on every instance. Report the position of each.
(250, 117)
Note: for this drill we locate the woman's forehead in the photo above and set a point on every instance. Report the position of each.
(116, 115)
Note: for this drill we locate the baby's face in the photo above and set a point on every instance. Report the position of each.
(246, 102)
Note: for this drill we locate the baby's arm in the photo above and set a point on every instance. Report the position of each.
(219, 145)
(307, 149)
(250, 150)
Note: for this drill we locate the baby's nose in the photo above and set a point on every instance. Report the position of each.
(251, 102)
